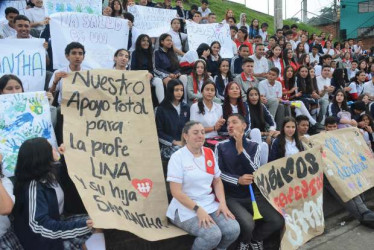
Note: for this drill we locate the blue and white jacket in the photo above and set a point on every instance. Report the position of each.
(233, 166)
(37, 221)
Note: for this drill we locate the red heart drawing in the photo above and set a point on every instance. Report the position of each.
(143, 186)
(324, 154)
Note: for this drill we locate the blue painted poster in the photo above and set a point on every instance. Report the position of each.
(22, 117)
(348, 161)
(83, 6)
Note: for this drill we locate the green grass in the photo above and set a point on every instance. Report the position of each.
(219, 7)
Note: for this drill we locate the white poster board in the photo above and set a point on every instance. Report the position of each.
(26, 59)
(208, 33)
(100, 35)
(20, 5)
(152, 21)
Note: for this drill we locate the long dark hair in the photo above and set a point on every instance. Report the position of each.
(205, 73)
(169, 94)
(174, 64)
(302, 60)
(6, 78)
(304, 84)
(297, 50)
(34, 162)
(344, 105)
(227, 109)
(256, 111)
(338, 77)
(271, 52)
(285, 57)
(200, 103)
(219, 81)
(355, 78)
(289, 83)
(141, 53)
(112, 6)
(211, 51)
(282, 137)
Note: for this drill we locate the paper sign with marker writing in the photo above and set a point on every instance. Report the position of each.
(348, 161)
(294, 187)
(108, 129)
(208, 33)
(26, 59)
(22, 117)
(20, 5)
(100, 35)
(152, 21)
(83, 6)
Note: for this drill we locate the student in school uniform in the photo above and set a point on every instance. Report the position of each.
(171, 116)
(7, 29)
(37, 17)
(166, 65)
(246, 79)
(142, 59)
(223, 77)
(237, 61)
(238, 158)
(74, 53)
(207, 112)
(199, 204)
(357, 85)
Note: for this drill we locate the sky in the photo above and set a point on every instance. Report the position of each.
(293, 6)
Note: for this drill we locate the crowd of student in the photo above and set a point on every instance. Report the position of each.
(243, 107)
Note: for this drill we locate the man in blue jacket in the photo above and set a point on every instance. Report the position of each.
(238, 158)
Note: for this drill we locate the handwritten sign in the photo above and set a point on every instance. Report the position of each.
(20, 5)
(348, 161)
(83, 6)
(152, 21)
(109, 128)
(294, 187)
(100, 35)
(26, 59)
(22, 117)
(208, 33)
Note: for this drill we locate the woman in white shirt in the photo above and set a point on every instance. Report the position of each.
(288, 142)
(208, 113)
(196, 186)
(8, 240)
(179, 38)
(243, 21)
(328, 49)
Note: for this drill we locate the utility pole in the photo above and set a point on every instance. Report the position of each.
(304, 17)
(278, 20)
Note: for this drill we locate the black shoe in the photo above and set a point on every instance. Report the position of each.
(257, 245)
(368, 219)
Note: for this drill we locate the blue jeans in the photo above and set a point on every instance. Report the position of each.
(219, 235)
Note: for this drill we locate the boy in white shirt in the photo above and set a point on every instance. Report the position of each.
(325, 89)
(204, 10)
(271, 95)
(7, 29)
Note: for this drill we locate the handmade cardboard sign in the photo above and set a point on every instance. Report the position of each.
(348, 161)
(112, 151)
(294, 187)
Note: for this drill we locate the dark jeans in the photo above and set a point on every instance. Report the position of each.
(260, 229)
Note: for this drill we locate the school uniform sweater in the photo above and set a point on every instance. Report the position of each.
(233, 166)
(162, 66)
(170, 124)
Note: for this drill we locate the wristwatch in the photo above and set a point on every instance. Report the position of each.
(195, 208)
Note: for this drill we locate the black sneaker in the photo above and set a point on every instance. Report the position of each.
(257, 245)
(368, 219)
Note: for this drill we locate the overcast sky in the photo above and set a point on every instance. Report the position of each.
(293, 6)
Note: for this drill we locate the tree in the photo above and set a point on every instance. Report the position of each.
(327, 15)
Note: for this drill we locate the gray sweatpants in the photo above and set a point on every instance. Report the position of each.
(218, 236)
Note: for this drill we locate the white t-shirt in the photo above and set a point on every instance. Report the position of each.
(59, 84)
(369, 88)
(60, 197)
(321, 82)
(6, 30)
(177, 108)
(210, 117)
(291, 148)
(270, 91)
(36, 15)
(356, 88)
(314, 58)
(204, 13)
(4, 220)
(331, 51)
(177, 43)
(191, 172)
(261, 65)
(263, 34)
